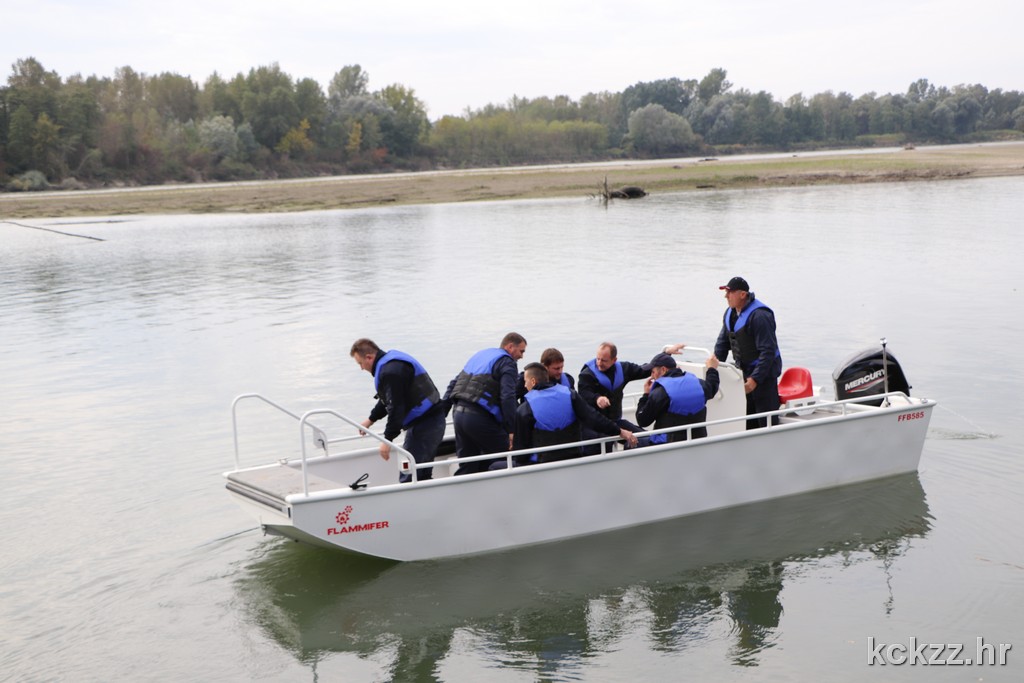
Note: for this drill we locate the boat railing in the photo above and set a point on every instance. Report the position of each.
(839, 407)
(403, 458)
(405, 462)
(319, 437)
(363, 431)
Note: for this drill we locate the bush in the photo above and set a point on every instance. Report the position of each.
(29, 181)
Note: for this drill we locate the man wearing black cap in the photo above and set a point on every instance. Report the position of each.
(748, 330)
(673, 397)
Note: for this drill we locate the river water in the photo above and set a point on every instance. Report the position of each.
(125, 559)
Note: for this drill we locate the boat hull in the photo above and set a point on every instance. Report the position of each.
(456, 516)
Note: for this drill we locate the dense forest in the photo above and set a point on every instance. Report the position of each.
(135, 129)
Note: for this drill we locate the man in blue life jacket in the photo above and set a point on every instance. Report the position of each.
(673, 397)
(554, 414)
(409, 399)
(483, 402)
(604, 378)
(554, 361)
(748, 331)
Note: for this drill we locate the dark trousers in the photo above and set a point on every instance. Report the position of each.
(762, 399)
(422, 438)
(477, 432)
(594, 449)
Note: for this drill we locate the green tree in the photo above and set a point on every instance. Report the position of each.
(79, 115)
(406, 123)
(19, 139)
(128, 90)
(268, 104)
(655, 130)
(248, 147)
(673, 94)
(217, 98)
(606, 109)
(351, 81)
(312, 105)
(47, 151)
(32, 86)
(713, 85)
(355, 139)
(217, 134)
(296, 141)
(174, 97)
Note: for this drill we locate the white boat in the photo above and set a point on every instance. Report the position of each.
(350, 498)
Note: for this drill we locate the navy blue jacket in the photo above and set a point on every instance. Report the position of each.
(396, 386)
(503, 373)
(656, 406)
(760, 327)
(591, 386)
(526, 422)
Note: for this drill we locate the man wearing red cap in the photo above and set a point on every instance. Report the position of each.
(748, 331)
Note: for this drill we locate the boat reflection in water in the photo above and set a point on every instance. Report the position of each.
(548, 607)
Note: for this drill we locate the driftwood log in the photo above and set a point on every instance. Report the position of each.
(625, 192)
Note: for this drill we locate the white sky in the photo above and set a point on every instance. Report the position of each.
(468, 54)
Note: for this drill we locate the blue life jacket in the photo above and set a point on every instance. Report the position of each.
(741, 339)
(423, 395)
(686, 405)
(552, 408)
(685, 394)
(608, 384)
(476, 384)
(555, 421)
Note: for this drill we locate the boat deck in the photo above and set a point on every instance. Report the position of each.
(273, 484)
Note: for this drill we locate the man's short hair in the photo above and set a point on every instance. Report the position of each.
(364, 347)
(551, 356)
(537, 372)
(612, 349)
(513, 338)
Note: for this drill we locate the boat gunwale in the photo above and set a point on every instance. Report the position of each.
(346, 491)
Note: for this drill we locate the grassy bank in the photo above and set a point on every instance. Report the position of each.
(925, 163)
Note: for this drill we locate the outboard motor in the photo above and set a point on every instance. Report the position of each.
(867, 373)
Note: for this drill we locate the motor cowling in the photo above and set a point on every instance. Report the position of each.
(868, 373)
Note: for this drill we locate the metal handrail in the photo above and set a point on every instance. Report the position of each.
(844, 405)
(327, 411)
(355, 437)
(318, 433)
(405, 458)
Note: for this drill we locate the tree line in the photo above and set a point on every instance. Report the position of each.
(138, 129)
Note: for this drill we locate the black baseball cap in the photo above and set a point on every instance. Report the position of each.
(736, 284)
(661, 360)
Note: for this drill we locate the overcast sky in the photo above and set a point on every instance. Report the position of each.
(456, 55)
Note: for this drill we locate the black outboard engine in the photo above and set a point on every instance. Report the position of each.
(867, 373)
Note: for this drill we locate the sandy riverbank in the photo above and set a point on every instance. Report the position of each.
(578, 180)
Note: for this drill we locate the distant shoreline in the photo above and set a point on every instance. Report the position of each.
(568, 180)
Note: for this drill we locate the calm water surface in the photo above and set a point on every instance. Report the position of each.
(124, 558)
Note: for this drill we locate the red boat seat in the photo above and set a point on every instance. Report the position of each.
(795, 383)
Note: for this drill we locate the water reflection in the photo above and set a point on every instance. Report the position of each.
(686, 582)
